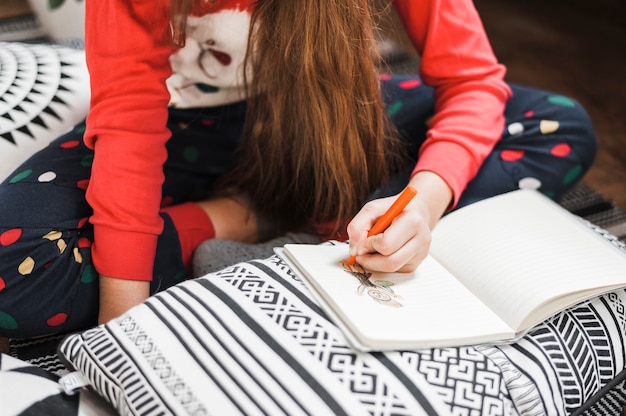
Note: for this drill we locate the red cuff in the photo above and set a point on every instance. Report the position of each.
(193, 226)
(451, 163)
(123, 254)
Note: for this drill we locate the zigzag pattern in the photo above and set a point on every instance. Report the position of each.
(33, 81)
(361, 373)
(133, 387)
(468, 379)
(579, 351)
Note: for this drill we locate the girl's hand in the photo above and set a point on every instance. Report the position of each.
(401, 247)
(405, 244)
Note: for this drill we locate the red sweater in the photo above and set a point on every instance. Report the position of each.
(126, 126)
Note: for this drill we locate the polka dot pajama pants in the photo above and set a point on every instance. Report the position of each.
(48, 283)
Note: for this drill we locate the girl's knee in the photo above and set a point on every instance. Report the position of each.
(578, 127)
(553, 122)
(47, 282)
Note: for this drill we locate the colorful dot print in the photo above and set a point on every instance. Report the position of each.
(529, 183)
(27, 267)
(394, 108)
(89, 274)
(21, 176)
(549, 129)
(180, 276)
(86, 161)
(561, 150)
(512, 155)
(11, 236)
(82, 184)
(7, 321)
(57, 319)
(406, 84)
(70, 144)
(410, 84)
(41, 251)
(515, 128)
(573, 174)
(561, 100)
(47, 177)
(548, 126)
(191, 154)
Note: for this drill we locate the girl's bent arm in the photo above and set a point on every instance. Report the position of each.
(127, 56)
(119, 295)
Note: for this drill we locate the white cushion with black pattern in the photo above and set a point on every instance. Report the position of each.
(29, 390)
(44, 92)
(250, 339)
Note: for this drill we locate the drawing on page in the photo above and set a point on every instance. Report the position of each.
(379, 290)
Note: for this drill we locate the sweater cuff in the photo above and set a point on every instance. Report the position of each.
(123, 254)
(193, 227)
(453, 164)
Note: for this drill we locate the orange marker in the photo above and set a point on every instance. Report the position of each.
(396, 208)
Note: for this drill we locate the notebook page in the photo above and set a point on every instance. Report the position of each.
(520, 250)
(435, 309)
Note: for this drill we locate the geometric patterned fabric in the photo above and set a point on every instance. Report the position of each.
(28, 390)
(251, 338)
(44, 92)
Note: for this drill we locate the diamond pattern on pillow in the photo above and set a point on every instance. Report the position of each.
(44, 92)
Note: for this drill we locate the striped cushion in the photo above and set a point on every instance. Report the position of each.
(250, 339)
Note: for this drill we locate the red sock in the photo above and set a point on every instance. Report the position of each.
(325, 230)
(193, 226)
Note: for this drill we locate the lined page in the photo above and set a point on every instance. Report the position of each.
(520, 250)
(436, 310)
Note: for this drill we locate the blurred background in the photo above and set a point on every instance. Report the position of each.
(572, 47)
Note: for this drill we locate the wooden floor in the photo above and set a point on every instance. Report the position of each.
(576, 48)
(13, 8)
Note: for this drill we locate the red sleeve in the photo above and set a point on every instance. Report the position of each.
(470, 92)
(128, 64)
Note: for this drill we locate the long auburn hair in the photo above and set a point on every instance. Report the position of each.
(316, 139)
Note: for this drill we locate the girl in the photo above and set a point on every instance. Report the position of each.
(243, 120)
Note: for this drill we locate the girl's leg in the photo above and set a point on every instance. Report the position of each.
(410, 104)
(548, 142)
(48, 283)
(201, 150)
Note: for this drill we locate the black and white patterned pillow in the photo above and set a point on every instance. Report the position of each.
(246, 340)
(44, 92)
(250, 339)
(30, 390)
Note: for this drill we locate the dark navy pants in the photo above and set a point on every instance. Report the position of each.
(48, 283)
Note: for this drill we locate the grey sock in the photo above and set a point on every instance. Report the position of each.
(215, 254)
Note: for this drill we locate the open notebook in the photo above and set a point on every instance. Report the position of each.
(496, 268)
